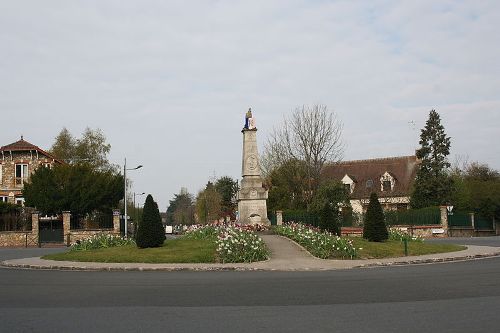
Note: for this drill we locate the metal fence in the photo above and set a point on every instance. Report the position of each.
(424, 216)
(483, 223)
(460, 219)
(15, 221)
(301, 217)
(96, 220)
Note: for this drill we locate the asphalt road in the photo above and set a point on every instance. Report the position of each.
(452, 297)
(481, 241)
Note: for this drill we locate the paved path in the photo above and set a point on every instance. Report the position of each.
(286, 255)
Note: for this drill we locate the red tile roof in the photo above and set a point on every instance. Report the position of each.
(23, 145)
(402, 168)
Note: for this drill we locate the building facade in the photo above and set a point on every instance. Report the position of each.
(390, 178)
(18, 161)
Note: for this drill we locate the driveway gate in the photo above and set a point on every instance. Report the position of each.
(51, 230)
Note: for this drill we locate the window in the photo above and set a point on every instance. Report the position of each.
(21, 173)
(20, 202)
(369, 183)
(347, 187)
(386, 185)
(4, 199)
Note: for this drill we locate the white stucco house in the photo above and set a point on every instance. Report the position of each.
(391, 178)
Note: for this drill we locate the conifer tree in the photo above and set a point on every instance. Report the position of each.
(432, 185)
(329, 219)
(150, 232)
(375, 229)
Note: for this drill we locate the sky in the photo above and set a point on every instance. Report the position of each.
(169, 82)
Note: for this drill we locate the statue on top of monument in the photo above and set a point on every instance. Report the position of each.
(249, 120)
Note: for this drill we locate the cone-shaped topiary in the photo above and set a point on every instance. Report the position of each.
(375, 229)
(329, 219)
(150, 232)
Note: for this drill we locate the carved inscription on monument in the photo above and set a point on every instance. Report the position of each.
(252, 162)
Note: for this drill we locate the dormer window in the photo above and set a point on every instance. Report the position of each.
(349, 183)
(386, 185)
(387, 182)
(369, 183)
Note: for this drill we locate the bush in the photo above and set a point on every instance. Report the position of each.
(100, 241)
(400, 235)
(150, 232)
(320, 244)
(375, 229)
(234, 243)
(329, 219)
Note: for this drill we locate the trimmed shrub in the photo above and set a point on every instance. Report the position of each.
(329, 219)
(150, 232)
(375, 229)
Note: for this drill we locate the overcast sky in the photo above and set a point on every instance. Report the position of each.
(169, 81)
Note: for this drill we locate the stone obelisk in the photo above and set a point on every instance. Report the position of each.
(252, 196)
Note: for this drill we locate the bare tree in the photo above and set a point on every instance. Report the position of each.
(312, 134)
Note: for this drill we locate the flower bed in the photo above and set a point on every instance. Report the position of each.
(234, 243)
(320, 244)
(401, 235)
(100, 241)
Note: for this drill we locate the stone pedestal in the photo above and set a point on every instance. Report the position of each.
(252, 196)
(67, 227)
(116, 221)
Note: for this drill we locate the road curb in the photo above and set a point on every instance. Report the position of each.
(431, 260)
(240, 267)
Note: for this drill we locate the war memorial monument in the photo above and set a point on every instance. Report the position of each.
(252, 196)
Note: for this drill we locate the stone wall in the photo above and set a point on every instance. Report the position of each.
(8, 186)
(469, 232)
(423, 231)
(18, 239)
(78, 235)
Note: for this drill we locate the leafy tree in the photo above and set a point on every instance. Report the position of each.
(433, 184)
(91, 149)
(375, 229)
(288, 186)
(328, 199)
(208, 204)
(77, 188)
(181, 209)
(481, 172)
(150, 232)
(332, 192)
(227, 187)
(329, 219)
(312, 134)
(477, 189)
(64, 146)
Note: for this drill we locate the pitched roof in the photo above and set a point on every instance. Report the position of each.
(403, 169)
(23, 145)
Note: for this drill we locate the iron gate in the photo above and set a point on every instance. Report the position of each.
(51, 231)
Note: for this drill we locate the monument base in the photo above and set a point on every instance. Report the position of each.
(253, 212)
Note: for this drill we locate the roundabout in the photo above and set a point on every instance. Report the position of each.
(410, 298)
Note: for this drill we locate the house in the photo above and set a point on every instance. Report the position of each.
(18, 161)
(391, 178)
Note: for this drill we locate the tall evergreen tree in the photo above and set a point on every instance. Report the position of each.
(433, 184)
(375, 229)
(151, 232)
(329, 219)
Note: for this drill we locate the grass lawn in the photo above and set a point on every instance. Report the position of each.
(393, 248)
(179, 250)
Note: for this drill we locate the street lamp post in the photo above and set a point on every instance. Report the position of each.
(125, 192)
(136, 217)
